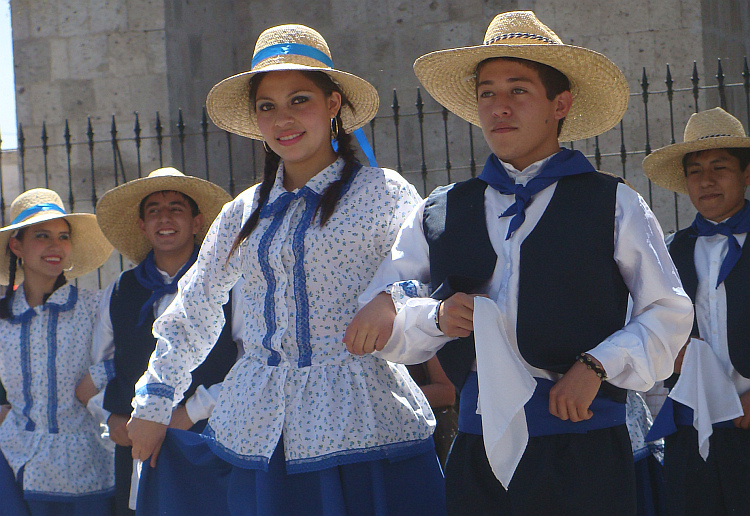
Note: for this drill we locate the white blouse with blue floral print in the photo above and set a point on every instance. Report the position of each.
(44, 352)
(296, 378)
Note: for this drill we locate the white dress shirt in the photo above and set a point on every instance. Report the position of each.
(635, 357)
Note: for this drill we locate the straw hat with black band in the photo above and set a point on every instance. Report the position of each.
(287, 47)
(118, 210)
(711, 129)
(90, 248)
(598, 87)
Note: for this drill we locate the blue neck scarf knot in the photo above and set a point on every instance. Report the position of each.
(149, 277)
(737, 223)
(565, 163)
(282, 201)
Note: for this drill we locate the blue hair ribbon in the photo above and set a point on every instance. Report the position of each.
(297, 49)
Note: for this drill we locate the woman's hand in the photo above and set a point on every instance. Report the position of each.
(118, 433)
(371, 328)
(147, 438)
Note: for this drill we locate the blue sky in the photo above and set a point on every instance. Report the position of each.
(8, 129)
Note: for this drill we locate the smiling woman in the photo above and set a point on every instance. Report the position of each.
(46, 330)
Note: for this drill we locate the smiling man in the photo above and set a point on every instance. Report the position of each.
(711, 165)
(557, 247)
(159, 223)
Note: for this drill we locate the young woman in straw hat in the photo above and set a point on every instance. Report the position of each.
(530, 324)
(53, 458)
(301, 425)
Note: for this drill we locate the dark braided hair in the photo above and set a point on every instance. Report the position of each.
(330, 197)
(12, 270)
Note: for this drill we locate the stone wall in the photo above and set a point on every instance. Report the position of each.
(80, 58)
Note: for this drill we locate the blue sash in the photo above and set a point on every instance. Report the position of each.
(607, 413)
(672, 415)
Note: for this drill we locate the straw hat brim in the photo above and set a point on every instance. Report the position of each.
(228, 102)
(664, 166)
(599, 89)
(118, 210)
(90, 248)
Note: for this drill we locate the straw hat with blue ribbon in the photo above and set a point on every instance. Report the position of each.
(710, 129)
(288, 47)
(598, 87)
(90, 249)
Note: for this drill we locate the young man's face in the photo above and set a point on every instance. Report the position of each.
(168, 223)
(518, 121)
(715, 183)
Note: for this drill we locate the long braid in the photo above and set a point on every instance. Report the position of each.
(269, 177)
(331, 195)
(5, 301)
(59, 282)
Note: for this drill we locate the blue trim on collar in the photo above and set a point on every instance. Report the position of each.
(291, 49)
(33, 210)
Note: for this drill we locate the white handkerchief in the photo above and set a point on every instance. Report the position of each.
(504, 388)
(705, 387)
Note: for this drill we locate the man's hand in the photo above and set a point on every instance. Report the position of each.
(180, 419)
(117, 430)
(4, 409)
(571, 397)
(371, 328)
(86, 389)
(147, 437)
(456, 315)
(744, 421)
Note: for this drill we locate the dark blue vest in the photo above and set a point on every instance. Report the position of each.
(737, 286)
(134, 345)
(571, 294)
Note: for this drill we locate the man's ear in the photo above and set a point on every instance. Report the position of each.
(142, 226)
(197, 223)
(563, 102)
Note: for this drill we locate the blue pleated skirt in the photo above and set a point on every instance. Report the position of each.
(12, 502)
(191, 480)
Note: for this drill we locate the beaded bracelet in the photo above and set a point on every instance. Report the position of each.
(589, 362)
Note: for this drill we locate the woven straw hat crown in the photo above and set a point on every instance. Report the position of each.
(90, 248)
(710, 129)
(281, 48)
(598, 87)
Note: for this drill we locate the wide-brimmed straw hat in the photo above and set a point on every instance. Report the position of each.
(711, 129)
(287, 47)
(118, 210)
(598, 87)
(90, 248)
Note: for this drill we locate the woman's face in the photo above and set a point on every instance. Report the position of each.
(44, 247)
(294, 117)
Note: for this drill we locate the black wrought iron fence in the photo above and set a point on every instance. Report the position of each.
(425, 143)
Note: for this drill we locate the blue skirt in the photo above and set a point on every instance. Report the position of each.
(13, 503)
(191, 480)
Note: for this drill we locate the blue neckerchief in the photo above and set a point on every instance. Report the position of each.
(737, 223)
(565, 163)
(149, 277)
(282, 201)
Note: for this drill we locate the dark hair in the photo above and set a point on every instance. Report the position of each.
(12, 269)
(330, 196)
(741, 153)
(553, 80)
(194, 210)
